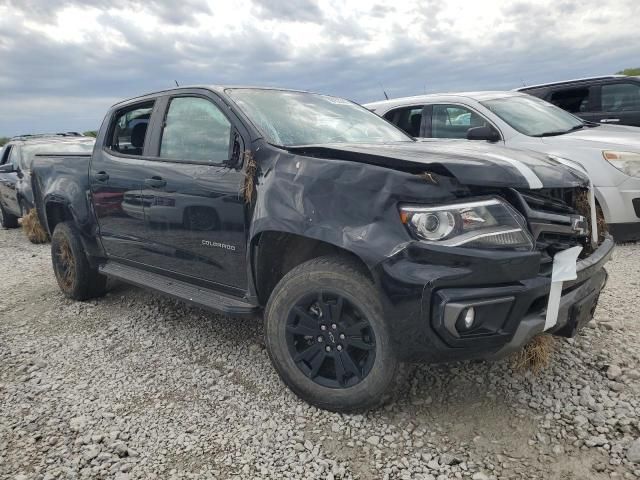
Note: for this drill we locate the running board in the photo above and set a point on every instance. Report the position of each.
(198, 296)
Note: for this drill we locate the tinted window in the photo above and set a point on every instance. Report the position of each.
(300, 118)
(453, 121)
(129, 129)
(195, 129)
(408, 119)
(574, 100)
(620, 97)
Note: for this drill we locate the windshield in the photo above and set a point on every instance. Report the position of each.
(533, 117)
(297, 118)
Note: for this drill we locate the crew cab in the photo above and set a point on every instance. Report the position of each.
(16, 196)
(361, 248)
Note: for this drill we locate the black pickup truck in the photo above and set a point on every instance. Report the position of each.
(362, 249)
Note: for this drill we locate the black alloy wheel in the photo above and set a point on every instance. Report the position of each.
(330, 340)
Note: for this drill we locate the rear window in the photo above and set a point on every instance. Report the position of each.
(574, 100)
(129, 129)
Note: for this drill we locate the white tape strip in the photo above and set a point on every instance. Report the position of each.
(594, 218)
(564, 268)
(553, 307)
(532, 179)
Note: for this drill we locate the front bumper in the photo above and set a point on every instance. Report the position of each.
(421, 285)
(621, 208)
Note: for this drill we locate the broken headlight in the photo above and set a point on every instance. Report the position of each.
(490, 223)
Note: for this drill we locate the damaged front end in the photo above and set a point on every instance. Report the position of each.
(460, 241)
(488, 302)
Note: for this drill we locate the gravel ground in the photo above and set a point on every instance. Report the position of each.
(137, 386)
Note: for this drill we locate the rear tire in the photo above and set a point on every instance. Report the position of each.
(76, 278)
(7, 220)
(327, 337)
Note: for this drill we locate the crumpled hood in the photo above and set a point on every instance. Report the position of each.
(603, 137)
(472, 163)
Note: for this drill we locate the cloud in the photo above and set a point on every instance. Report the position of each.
(292, 10)
(63, 62)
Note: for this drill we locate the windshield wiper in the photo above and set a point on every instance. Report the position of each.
(554, 133)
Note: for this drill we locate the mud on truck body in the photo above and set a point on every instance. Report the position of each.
(362, 249)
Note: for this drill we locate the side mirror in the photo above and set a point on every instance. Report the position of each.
(487, 133)
(7, 168)
(235, 150)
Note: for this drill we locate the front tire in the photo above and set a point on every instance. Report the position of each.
(327, 338)
(7, 220)
(76, 278)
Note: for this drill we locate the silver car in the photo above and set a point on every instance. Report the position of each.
(609, 153)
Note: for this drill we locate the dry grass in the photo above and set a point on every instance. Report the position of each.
(536, 355)
(249, 188)
(32, 228)
(584, 209)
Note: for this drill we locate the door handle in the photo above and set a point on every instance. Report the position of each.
(101, 176)
(610, 120)
(155, 182)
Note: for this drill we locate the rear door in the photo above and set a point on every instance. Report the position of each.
(618, 103)
(116, 177)
(408, 119)
(9, 180)
(194, 211)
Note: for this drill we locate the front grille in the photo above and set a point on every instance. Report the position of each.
(557, 219)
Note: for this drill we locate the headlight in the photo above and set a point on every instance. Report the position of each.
(489, 223)
(627, 162)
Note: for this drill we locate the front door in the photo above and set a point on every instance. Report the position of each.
(116, 176)
(194, 211)
(619, 104)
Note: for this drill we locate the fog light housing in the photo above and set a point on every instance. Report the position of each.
(469, 318)
(473, 318)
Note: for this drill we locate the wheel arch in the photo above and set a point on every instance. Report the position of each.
(274, 253)
(55, 212)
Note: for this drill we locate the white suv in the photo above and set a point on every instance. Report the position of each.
(609, 153)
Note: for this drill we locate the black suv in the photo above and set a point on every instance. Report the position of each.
(613, 99)
(16, 196)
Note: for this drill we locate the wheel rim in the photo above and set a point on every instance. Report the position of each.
(330, 340)
(65, 265)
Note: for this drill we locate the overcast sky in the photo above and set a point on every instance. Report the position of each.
(64, 62)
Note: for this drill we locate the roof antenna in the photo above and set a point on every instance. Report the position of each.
(523, 84)
(177, 84)
(385, 93)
